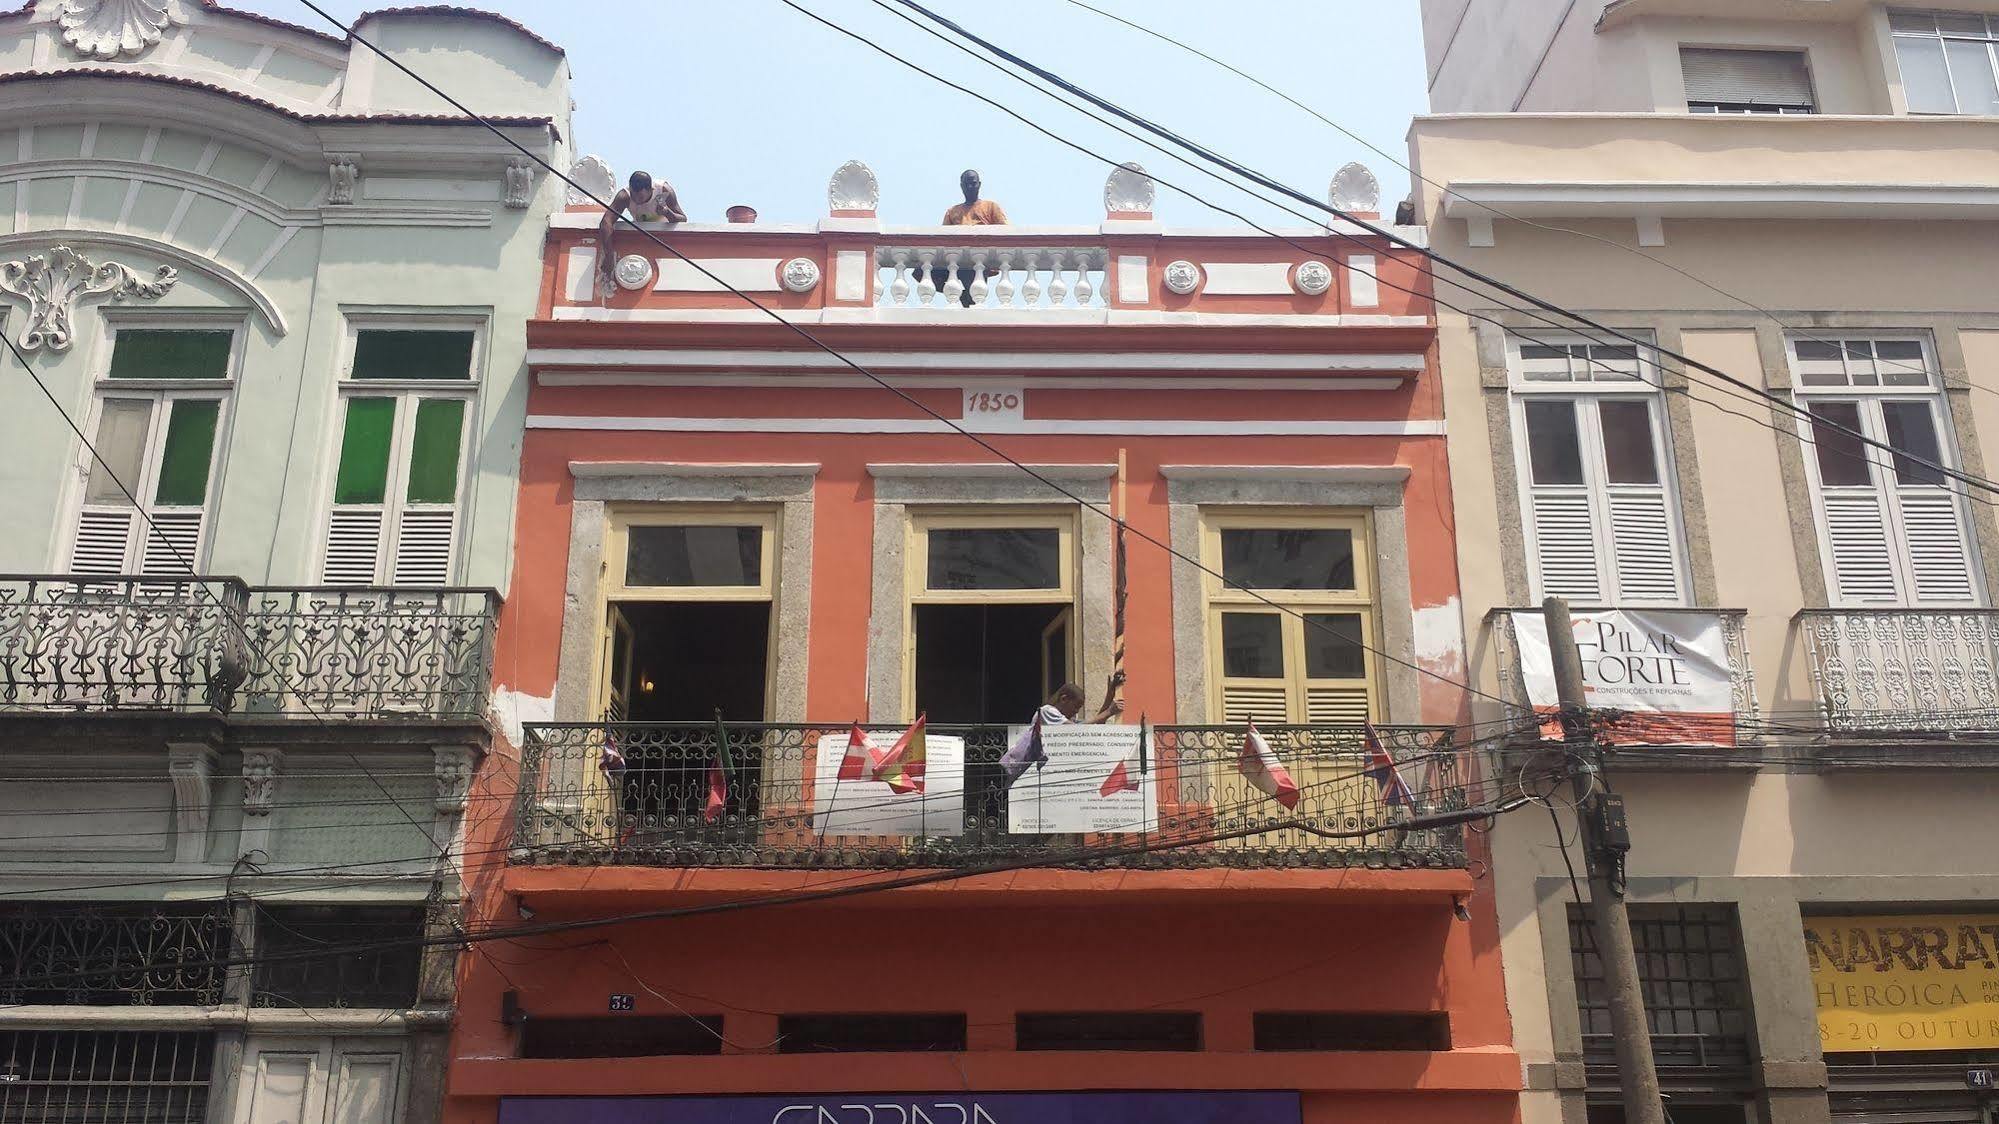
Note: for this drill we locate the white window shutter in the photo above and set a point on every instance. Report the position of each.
(353, 546)
(1862, 560)
(103, 538)
(1565, 544)
(423, 546)
(1255, 704)
(1938, 559)
(172, 543)
(1644, 554)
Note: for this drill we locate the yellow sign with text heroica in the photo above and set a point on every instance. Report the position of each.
(1919, 982)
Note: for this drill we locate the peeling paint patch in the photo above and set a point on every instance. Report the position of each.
(1439, 635)
(511, 709)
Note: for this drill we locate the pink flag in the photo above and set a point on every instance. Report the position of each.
(1263, 770)
(1120, 780)
(854, 765)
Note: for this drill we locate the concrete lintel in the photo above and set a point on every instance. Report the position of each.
(1319, 473)
(988, 469)
(599, 469)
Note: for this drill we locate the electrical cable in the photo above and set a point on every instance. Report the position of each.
(1252, 175)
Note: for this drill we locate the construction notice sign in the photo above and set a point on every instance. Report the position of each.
(1667, 671)
(1919, 982)
(872, 807)
(1093, 780)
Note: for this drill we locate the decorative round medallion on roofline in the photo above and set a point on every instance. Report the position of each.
(634, 271)
(1354, 188)
(1128, 190)
(800, 275)
(106, 29)
(1312, 278)
(596, 178)
(853, 188)
(1182, 277)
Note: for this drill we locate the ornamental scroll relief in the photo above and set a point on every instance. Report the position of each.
(53, 283)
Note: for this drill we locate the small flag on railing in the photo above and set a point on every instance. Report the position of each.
(860, 754)
(611, 759)
(1260, 766)
(1026, 750)
(1381, 766)
(902, 766)
(718, 775)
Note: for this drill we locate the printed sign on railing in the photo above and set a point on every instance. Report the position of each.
(865, 806)
(1668, 671)
(1093, 779)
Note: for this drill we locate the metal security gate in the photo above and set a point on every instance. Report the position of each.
(104, 1076)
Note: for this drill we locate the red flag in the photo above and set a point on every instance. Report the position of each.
(1120, 780)
(718, 792)
(902, 766)
(1261, 767)
(854, 764)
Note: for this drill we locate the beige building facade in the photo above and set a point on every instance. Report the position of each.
(1803, 195)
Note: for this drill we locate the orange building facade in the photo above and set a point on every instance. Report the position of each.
(733, 546)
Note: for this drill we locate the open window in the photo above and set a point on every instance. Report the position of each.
(148, 493)
(1310, 656)
(405, 417)
(991, 614)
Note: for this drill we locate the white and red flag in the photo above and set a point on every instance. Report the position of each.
(1261, 767)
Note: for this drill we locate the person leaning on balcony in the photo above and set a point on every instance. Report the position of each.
(974, 211)
(648, 202)
(1067, 702)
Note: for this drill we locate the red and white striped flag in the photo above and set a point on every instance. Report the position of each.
(860, 754)
(1261, 767)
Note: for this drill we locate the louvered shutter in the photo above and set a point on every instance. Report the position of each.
(1265, 705)
(172, 542)
(103, 538)
(1752, 78)
(1643, 551)
(1336, 706)
(1934, 532)
(423, 546)
(1565, 544)
(353, 546)
(1863, 561)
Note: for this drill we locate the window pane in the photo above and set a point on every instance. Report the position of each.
(1552, 444)
(412, 354)
(1288, 558)
(189, 451)
(1842, 458)
(1961, 23)
(1902, 363)
(162, 353)
(1252, 645)
(364, 451)
(121, 442)
(995, 558)
(434, 450)
(1333, 646)
(694, 556)
(1971, 77)
(1627, 442)
(1912, 429)
(1925, 81)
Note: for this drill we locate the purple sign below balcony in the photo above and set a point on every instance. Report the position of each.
(901, 1108)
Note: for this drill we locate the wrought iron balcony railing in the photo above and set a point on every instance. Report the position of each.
(1735, 642)
(654, 811)
(1904, 670)
(90, 644)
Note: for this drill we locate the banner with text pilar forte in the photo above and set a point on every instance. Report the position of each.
(1668, 671)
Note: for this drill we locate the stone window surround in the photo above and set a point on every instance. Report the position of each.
(600, 485)
(1377, 489)
(899, 487)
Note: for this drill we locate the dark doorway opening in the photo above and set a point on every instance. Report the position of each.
(692, 658)
(989, 664)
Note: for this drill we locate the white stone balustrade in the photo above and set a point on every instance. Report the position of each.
(998, 277)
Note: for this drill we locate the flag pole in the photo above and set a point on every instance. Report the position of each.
(1123, 589)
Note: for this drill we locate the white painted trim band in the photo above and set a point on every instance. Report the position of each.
(852, 381)
(608, 357)
(1115, 317)
(586, 469)
(1142, 427)
(1312, 473)
(985, 470)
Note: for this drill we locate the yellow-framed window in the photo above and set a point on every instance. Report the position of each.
(1312, 660)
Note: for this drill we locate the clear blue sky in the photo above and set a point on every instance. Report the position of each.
(747, 101)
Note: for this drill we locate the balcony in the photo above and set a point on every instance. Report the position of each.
(1890, 671)
(1744, 710)
(215, 645)
(571, 812)
(990, 276)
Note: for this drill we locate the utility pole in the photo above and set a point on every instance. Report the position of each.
(1605, 840)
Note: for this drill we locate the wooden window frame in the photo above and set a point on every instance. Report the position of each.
(1363, 601)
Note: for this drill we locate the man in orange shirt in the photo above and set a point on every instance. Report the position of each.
(974, 211)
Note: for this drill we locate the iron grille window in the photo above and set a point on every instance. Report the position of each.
(1353, 1030)
(621, 1036)
(105, 955)
(825, 1034)
(381, 976)
(104, 1076)
(1690, 969)
(1108, 1030)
